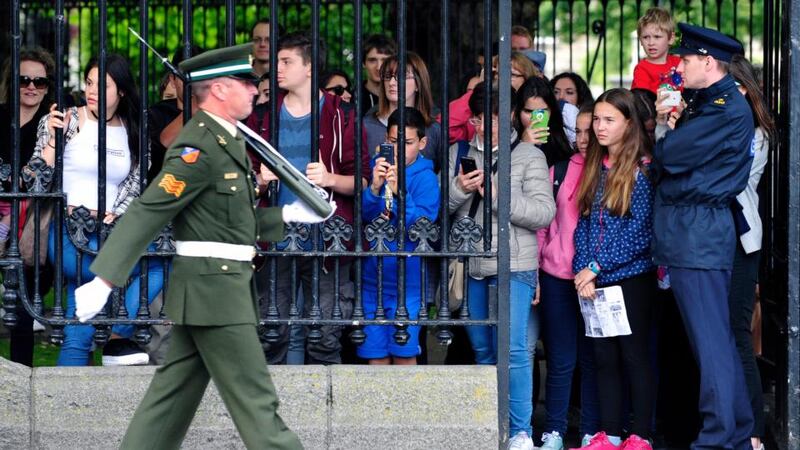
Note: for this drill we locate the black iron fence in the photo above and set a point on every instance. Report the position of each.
(595, 38)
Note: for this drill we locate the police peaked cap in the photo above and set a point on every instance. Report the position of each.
(537, 58)
(707, 42)
(235, 61)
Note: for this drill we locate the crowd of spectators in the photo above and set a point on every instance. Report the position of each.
(588, 177)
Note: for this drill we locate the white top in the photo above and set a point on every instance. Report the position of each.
(81, 164)
(759, 150)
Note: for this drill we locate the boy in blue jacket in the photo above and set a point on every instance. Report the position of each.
(421, 200)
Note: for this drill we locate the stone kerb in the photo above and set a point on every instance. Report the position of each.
(15, 396)
(335, 407)
(89, 408)
(430, 407)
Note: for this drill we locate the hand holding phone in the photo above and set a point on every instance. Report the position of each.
(669, 98)
(386, 151)
(468, 165)
(539, 119)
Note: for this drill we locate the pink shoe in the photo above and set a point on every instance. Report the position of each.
(599, 442)
(634, 442)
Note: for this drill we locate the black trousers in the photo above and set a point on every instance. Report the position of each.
(741, 298)
(328, 349)
(21, 336)
(630, 354)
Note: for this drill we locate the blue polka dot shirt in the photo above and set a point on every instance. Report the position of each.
(620, 245)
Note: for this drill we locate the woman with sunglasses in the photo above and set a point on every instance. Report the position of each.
(36, 69)
(417, 95)
(336, 82)
(80, 127)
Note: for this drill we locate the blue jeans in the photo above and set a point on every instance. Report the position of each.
(484, 342)
(78, 338)
(566, 343)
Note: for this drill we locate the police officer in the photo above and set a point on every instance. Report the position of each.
(205, 189)
(702, 159)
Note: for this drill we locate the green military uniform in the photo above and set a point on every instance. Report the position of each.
(205, 189)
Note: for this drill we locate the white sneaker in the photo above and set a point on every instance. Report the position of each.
(552, 441)
(520, 441)
(123, 352)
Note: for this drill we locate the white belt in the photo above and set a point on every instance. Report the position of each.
(208, 249)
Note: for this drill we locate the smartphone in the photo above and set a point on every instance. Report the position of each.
(468, 164)
(670, 98)
(386, 151)
(539, 119)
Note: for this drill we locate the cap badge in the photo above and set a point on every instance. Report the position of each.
(702, 50)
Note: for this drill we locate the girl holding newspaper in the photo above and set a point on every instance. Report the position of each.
(612, 248)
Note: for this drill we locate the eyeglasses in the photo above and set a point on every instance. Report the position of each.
(38, 82)
(338, 90)
(513, 74)
(389, 76)
(476, 122)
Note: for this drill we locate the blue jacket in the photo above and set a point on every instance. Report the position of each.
(422, 200)
(375, 132)
(701, 166)
(619, 244)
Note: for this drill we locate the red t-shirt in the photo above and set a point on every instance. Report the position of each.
(647, 75)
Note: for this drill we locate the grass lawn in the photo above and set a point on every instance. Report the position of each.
(44, 353)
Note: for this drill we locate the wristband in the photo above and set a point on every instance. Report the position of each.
(594, 267)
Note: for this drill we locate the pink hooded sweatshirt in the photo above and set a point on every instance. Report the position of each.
(556, 245)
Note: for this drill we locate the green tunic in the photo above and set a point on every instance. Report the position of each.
(205, 189)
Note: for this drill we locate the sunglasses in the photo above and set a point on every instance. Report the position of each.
(338, 90)
(38, 82)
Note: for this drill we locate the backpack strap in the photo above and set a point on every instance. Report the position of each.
(463, 150)
(473, 207)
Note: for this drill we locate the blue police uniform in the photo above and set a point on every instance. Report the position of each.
(701, 166)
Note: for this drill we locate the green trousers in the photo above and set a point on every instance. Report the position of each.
(230, 355)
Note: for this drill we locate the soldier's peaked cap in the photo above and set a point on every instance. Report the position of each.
(707, 42)
(235, 61)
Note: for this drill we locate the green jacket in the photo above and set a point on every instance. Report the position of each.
(205, 189)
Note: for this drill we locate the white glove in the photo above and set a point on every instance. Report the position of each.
(299, 212)
(90, 299)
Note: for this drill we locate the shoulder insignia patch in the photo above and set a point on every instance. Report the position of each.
(171, 185)
(719, 101)
(190, 155)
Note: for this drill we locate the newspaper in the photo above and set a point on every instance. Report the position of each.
(605, 316)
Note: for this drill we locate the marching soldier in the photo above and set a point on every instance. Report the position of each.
(205, 188)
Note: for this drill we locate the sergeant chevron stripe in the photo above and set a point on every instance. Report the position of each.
(171, 185)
